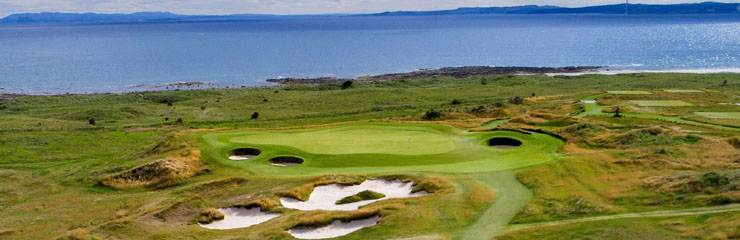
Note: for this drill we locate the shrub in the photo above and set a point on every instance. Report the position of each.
(255, 115)
(516, 100)
(202, 107)
(346, 84)
(432, 115)
(483, 81)
(456, 102)
(735, 142)
(91, 121)
(179, 120)
(713, 179)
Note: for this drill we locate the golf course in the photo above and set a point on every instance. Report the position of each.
(630, 156)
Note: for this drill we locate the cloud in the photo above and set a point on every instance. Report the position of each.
(277, 6)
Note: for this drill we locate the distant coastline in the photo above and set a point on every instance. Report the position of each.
(141, 17)
(458, 72)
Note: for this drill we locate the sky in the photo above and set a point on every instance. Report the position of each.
(282, 6)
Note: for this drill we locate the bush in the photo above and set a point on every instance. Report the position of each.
(432, 115)
(209, 215)
(346, 84)
(179, 120)
(91, 121)
(255, 115)
(516, 100)
(713, 179)
(456, 102)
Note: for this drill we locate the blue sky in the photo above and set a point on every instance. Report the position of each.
(279, 6)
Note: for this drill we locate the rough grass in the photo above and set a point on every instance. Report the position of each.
(683, 91)
(209, 215)
(629, 92)
(361, 196)
(158, 174)
(719, 115)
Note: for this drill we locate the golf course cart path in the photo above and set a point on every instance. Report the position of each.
(662, 213)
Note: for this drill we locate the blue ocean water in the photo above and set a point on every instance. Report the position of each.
(41, 59)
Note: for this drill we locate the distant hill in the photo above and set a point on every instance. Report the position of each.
(687, 8)
(56, 17)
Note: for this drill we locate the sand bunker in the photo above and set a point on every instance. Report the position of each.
(588, 101)
(240, 218)
(325, 197)
(286, 161)
(336, 229)
(243, 154)
(504, 143)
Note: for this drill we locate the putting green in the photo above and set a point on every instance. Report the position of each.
(630, 92)
(380, 148)
(661, 103)
(719, 115)
(682, 91)
(350, 140)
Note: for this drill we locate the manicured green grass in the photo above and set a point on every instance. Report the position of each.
(629, 92)
(661, 103)
(682, 91)
(719, 115)
(455, 150)
(355, 140)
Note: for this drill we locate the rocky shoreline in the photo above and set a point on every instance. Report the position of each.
(458, 72)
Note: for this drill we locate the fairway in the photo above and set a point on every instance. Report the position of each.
(382, 148)
(719, 115)
(661, 103)
(629, 92)
(682, 91)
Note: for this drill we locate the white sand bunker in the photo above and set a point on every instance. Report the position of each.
(243, 154)
(336, 229)
(325, 197)
(589, 101)
(240, 218)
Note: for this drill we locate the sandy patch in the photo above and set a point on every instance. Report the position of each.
(284, 164)
(241, 157)
(589, 101)
(335, 229)
(240, 218)
(325, 197)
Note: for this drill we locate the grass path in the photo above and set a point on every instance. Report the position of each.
(662, 213)
(511, 197)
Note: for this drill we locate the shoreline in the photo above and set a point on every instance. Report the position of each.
(459, 72)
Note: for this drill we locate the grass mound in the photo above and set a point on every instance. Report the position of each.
(158, 174)
(361, 196)
(647, 137)
(209, 215)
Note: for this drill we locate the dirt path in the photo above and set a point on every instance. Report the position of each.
(662, 213)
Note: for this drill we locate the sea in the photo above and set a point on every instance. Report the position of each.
(114, 58)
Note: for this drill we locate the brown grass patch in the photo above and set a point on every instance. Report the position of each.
(158, 174)
(265, 204)
(735, 142)
(209, 215)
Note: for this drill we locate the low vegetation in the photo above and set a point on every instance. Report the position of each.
(361, 196)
